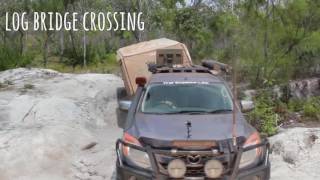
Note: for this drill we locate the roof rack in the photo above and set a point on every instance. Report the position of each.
(154, 68)
(207, 66)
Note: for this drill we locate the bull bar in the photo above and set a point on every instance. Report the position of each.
(233, 156)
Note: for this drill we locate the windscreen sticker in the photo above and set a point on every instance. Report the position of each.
(184, 82)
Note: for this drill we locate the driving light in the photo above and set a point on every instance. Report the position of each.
(213, 169)
(133, 156)
(177, 168)
(252, 156)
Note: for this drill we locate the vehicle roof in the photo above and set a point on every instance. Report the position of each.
(184, 77)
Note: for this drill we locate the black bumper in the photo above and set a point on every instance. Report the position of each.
(124, 172)
(258, 172)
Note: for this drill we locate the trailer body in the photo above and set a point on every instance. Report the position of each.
(134, 59)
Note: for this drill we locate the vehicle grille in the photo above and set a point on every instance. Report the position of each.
(195, 166)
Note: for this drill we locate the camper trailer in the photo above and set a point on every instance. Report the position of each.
(134, 59)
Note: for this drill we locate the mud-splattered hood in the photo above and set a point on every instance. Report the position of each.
(165, 128)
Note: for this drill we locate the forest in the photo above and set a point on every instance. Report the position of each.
(272, 41)
(60, 82)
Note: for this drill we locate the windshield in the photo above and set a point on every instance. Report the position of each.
(186, 98)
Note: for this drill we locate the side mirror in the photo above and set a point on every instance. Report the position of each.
(246, 105)
(124, 105)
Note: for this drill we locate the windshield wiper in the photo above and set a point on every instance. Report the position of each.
(199, 112)
(219, 111)
(186, 112)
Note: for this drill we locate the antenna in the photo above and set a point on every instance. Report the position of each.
(234, 82)
(234, 100)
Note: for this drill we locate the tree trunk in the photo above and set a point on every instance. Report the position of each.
(84, 50)
(21, 41)
(4, 37)
(45, 50)
(73, 42)
(61, 38)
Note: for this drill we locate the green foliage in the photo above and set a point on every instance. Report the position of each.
(311, 109)
(269, 112)
(111, 58)
(263, 117)
(295, 105)
(48, 5)
(272, 42)
(9, 58)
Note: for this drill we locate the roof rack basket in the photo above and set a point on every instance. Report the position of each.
(155, 68)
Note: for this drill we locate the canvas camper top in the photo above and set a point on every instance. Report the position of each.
(134, 59)
(147, 46)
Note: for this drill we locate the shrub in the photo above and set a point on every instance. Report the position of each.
(9, 58)
(295, 105)
(311, 108)
(263, 117)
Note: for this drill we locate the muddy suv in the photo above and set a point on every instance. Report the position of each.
(181, 124)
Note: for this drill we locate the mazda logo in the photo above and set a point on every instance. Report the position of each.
(194, 159)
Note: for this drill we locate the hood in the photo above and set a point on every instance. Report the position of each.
(159, 129)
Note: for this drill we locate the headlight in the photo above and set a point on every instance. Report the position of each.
(248, 158)
(133, 156)
(138, 158)
(251, 157)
